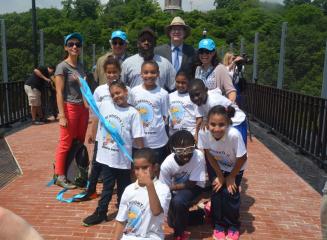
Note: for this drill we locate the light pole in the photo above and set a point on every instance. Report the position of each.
(34, 35)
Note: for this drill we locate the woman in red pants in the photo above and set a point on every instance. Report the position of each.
(73, 115)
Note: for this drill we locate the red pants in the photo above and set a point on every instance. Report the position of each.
(77, 120)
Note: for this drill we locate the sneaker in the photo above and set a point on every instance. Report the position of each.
(61, 181)
(96, 218)
(185, 236)
(86, 197)
(233, 234)
(218, 235)
(35, 122)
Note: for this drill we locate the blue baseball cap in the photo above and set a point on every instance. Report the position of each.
(73, 35)
(208, 44)
(119, 34)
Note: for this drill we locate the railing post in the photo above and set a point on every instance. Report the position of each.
(34, 29)
(4, 65)
(242, 46)
(280, 79)
(324, 96)
(231, 47)
(324, 82)
(41, 48)
(255, 58)
(93, 54)
(4, 52)
(81, 57)
(222, 52)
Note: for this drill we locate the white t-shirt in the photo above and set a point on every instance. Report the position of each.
(181, 113)
(102, 93)
(152, 106)
(215, 98)
(228, 148)
(135, 209)
(194, 170)
(127, 121)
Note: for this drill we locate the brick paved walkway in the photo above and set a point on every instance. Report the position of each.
(276, 203)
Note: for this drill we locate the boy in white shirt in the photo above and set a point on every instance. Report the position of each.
(181, 108)
(184, 172)
(152, 103)
(205, 100)
(144, 203)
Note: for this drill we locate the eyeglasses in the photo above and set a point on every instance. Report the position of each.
(71, 44)
(120, 43)
(204, 51)
(184, 151)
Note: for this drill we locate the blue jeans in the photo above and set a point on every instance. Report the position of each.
(110, 176)
(178, 213)
(225, 207)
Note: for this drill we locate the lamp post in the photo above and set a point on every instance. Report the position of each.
(34, 35)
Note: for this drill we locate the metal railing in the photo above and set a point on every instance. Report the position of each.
(297, 118)
(14, 104)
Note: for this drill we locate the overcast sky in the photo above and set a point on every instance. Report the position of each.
(8, 6)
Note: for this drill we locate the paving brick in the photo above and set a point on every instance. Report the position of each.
(276, 203)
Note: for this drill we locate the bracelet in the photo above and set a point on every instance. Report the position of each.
(61, 115)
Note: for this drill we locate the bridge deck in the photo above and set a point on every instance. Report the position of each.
(276, 203)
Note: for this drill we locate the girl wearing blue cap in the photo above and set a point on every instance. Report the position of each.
(208, 61)
(73, 115)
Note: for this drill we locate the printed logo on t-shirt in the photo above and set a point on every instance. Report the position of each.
(117, 124)
(145, 108)
(177, 112)
(222, 158)
(134, 217)
(181, 177)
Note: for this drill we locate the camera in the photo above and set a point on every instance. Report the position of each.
(244, 60)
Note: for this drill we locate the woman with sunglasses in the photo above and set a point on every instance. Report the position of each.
(207, 57)
(73, 115)
(213, 74)
(184, 172)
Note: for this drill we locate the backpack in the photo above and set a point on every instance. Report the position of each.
(77, 164)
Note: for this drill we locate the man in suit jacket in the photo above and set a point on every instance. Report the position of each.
(181, 55)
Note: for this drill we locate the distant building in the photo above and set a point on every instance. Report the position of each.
(173, 5)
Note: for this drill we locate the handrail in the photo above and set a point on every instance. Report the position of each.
(297, 118)
(14, 104)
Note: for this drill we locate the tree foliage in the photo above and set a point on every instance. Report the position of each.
(231, 21)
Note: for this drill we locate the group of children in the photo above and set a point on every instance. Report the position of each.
(207, 134)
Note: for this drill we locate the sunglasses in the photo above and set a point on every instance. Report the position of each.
(184, 151)
(71, 44)
(204, 51)
(120, 43)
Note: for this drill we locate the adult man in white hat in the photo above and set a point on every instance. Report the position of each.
(118, 43)
(181, 55)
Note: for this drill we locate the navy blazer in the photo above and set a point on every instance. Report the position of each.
(188, 57)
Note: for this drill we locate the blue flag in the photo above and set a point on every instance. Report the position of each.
(88, 96)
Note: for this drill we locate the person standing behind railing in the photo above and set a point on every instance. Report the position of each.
(33, 88)
(73, 115)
